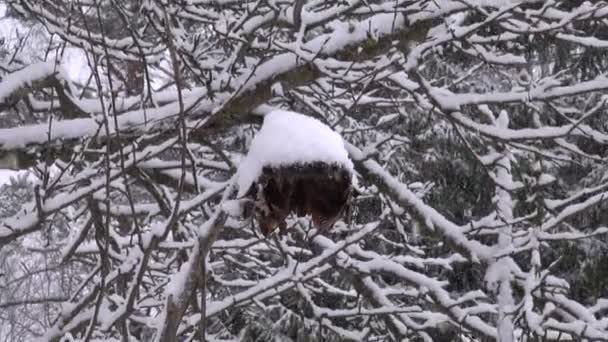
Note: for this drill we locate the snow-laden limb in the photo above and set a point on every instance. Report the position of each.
(26, 77)
(321, 314)
(73, 129)
(579, 320)
(542, 92)
(452, 105)
(17, 86)
(183, 284)
(296, 271)
(404, 196)
(548, 132)
(341, 39)
(573, 209)
(434, 287)
(286, 65)
(179, 289)
(499, 275)
(559, 204)
(375, 295)
(32, 216)
(137, 261)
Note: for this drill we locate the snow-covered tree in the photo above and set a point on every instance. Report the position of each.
(475, 132)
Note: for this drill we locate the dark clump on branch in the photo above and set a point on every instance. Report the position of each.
(321, 190)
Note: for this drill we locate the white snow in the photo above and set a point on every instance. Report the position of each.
(288, 138)
(25, 77)
(233, 208)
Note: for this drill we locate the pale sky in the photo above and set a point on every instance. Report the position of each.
(73, 63)
(5, 175)
(5, 31)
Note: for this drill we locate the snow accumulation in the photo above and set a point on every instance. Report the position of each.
(25, 77)
(289, 138)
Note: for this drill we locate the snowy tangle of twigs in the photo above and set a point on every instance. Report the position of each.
(474, 132)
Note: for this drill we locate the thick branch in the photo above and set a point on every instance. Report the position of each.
(289, 69)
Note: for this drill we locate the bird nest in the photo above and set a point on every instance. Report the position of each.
(321, 190)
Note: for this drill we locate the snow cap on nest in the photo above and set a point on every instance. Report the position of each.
(288, 138)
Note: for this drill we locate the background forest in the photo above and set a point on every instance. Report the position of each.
(477, 128)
